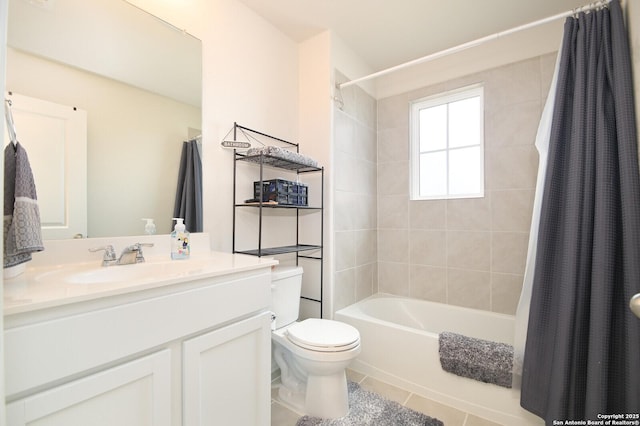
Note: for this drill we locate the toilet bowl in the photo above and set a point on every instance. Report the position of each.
(312, 354)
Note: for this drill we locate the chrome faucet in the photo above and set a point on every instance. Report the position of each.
(131, 254)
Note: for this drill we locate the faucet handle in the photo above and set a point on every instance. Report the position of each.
(137, 247)
(109, 253)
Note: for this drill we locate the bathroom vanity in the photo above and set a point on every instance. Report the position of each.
(157, 343)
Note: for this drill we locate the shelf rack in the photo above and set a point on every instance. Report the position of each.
(263, 160)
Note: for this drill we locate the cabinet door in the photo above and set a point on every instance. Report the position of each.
(133, 394)
(227, 375)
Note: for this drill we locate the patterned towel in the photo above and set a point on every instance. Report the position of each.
(22, 235)
(285, 154)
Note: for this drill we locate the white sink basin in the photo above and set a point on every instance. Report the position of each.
(110, 274)
(151, 270)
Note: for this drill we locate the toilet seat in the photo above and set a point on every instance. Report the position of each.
(323, 335)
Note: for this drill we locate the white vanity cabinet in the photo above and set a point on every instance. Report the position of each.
(192, 352)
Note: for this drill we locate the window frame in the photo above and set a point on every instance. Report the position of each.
(443, 98)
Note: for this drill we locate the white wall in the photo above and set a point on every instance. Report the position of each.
(3, 43)
(345, 60)
(319, 57)
(314, 101)
(250, 76)
(183, 14)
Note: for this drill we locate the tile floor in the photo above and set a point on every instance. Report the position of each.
(283, 416)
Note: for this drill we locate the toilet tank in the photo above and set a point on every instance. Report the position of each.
(286, 283)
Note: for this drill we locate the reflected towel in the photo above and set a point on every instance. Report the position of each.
(22, 234)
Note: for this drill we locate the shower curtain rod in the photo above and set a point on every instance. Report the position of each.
(475, 43)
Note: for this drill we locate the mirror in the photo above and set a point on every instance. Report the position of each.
(139, 81)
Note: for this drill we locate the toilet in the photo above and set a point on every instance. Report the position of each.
(312, 354)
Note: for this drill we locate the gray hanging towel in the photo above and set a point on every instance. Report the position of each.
(22, 235)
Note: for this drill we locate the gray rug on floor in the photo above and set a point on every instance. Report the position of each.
(370, 409)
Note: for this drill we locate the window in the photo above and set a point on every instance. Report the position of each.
(447, 145)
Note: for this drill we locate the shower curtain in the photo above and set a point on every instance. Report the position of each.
(188, 203)
(522, 312)
(582, 355)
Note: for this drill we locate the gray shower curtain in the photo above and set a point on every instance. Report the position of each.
(582, 356)
(188, 203)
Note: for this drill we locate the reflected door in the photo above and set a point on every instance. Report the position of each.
(55, 138)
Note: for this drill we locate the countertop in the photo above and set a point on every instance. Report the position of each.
(43, 286)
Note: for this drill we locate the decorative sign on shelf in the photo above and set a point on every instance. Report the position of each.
(235, 144)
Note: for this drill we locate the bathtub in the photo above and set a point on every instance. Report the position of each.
(399, 339)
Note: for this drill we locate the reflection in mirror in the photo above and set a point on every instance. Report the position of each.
(139, 81)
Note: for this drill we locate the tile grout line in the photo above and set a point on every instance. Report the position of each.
(466, 417)
(404, 404)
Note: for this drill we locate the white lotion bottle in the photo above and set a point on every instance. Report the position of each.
(180, 244)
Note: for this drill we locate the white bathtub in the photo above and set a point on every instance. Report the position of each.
(399, 338)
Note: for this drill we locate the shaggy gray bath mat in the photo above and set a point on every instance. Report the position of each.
(483, 360)
(370, 409)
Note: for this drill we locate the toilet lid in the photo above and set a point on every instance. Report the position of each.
(323, 335)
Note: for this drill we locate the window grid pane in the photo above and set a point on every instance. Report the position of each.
(433, 128)
(464, 123)
(433, 174)
(464, 169)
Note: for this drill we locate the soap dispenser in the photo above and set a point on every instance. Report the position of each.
(180, 244)
(150, 227)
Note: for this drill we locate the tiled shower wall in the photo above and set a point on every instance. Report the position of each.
(467, 252)
(355, 191)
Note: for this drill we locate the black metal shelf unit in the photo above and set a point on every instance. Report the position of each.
(261, 161)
